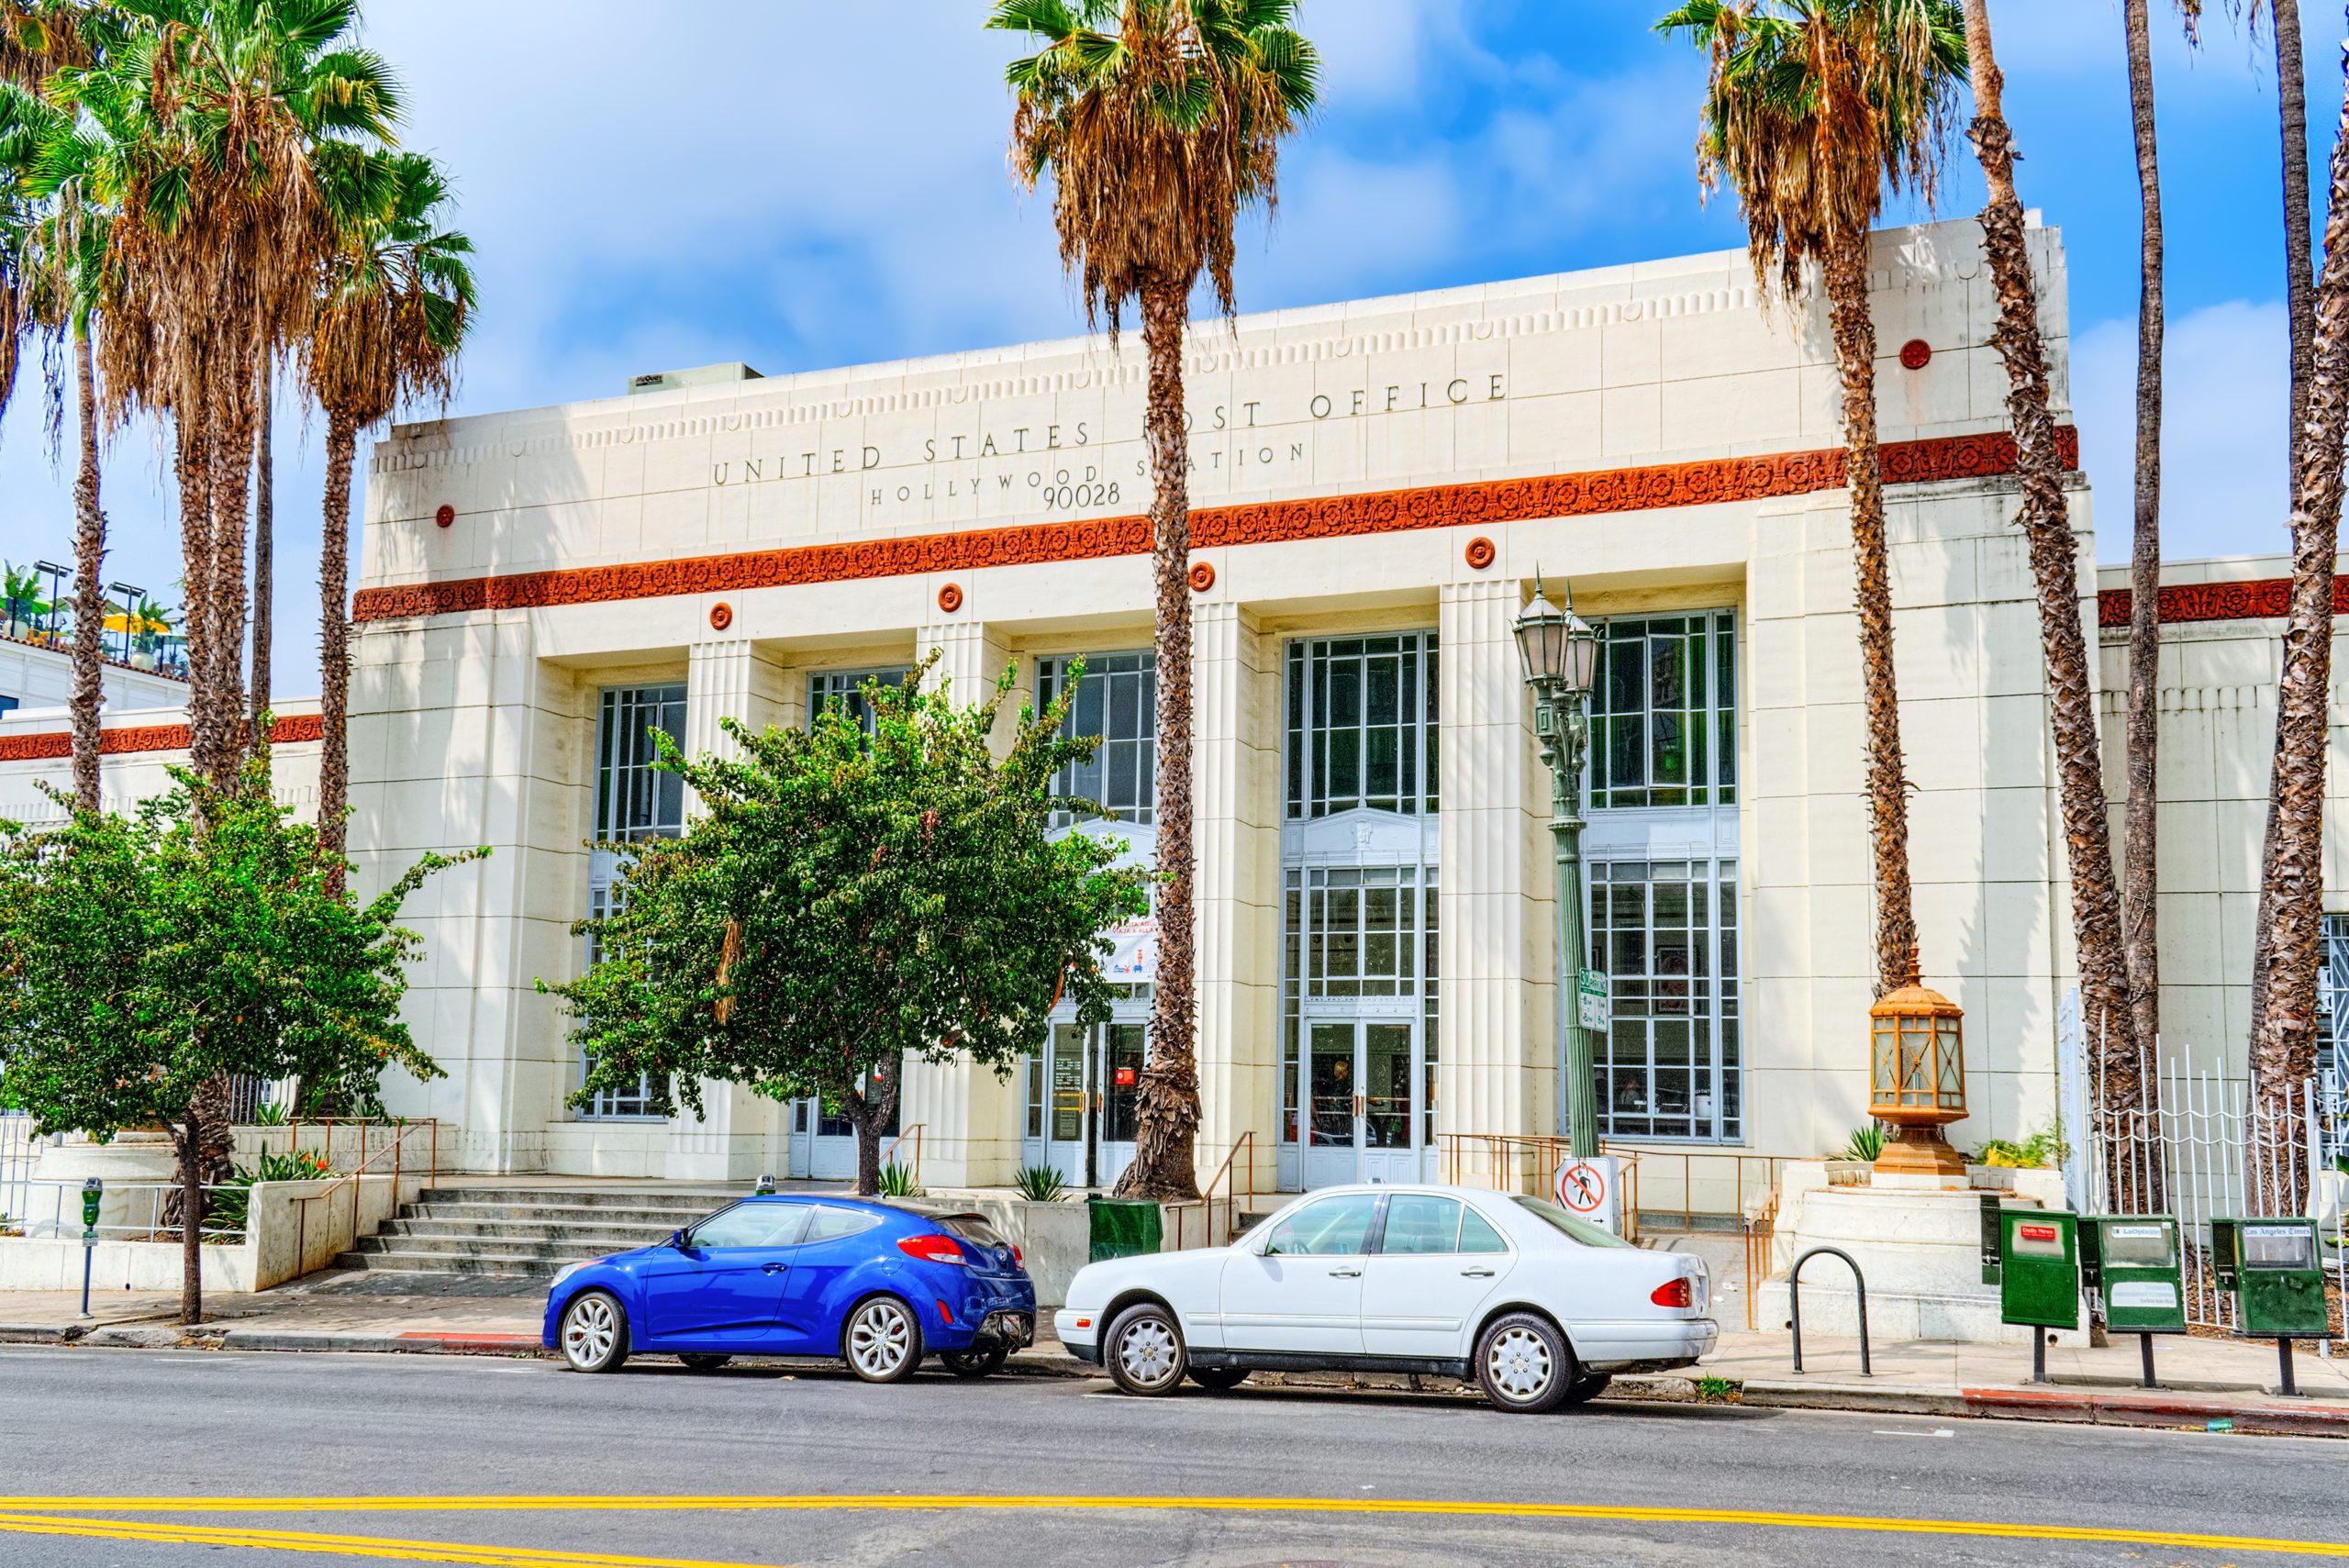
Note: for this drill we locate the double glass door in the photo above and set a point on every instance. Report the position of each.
(1366, 1082)
(1092, 1089)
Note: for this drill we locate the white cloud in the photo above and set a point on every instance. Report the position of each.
(2225, 396)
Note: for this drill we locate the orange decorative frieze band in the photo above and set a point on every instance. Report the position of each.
(53, 743)
(1484, 502)
(2262, 598)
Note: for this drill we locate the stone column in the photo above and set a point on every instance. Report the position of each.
(1497, 1038)
(1235, 783)
(970, 1118)
(740, 1135)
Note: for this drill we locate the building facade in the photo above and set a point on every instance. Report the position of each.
(1376, 486)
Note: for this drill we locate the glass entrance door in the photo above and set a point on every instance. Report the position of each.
(1093, 1085)
(1364, 1083)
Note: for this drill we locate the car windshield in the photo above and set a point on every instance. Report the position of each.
(1582, 1231)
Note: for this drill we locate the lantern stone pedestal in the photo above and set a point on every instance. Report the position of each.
(1920, 1249)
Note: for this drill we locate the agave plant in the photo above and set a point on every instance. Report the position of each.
(1041, 1183)
(1866, 1144)
(898, 1181)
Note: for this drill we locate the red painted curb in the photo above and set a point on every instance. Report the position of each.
(2154, 1409)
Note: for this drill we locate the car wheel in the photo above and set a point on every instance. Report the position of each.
(975, 1364)
(594, 1332)
(1144, 1350)
(704, 1362)
(1219, 1379)
(1523, 1365)
(882, 1341)
(1586, 1387)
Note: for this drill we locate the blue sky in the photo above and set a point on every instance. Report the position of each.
(764, 180)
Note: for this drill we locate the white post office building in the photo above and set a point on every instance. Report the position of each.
(1376, 486)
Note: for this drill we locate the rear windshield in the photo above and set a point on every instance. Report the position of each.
(1582, 1231)
(971, 1227)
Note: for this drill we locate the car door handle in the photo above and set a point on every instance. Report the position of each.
(773, 1268)
(1476, 1273)
(1345, 1273)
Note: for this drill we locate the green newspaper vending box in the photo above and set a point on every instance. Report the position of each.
(2276, 1273)
(2136, 1261)
(2039, 1268)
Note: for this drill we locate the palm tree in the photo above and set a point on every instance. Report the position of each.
(1815, 109)
(1160, 121)
(2047, 533)
(213, 256)
(20, 599)
(265, 561)
(398, 299)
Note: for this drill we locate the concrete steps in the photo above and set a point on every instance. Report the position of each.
(524, 1232)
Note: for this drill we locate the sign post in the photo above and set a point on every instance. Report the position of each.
(92, 1191)
(1586, 1188)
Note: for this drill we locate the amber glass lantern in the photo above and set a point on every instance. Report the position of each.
(1917, 1078)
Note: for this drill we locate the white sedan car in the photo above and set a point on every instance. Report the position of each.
(1540, 1308)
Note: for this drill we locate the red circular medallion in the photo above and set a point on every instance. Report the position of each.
(950, 598)
(1480, 553)
(1915, 353)
(445, 516)
(1202, 576)
(721, 616)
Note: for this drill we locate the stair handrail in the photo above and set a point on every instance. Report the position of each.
(351, 1180)
(1223, 1174)
(913, 1132)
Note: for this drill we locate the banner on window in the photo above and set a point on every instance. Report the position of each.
(1134, 955)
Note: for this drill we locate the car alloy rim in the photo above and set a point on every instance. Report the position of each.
(1518, 1362)
(1146, 1352)
(588, 1333)
(879, 1338)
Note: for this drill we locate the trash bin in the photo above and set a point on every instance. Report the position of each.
(1123, 1227)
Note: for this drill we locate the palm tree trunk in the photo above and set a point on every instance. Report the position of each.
(192, 462)
(2140, 921)
(232, 437)
(1855, 328)
(263, 579)
(89, 593)
(2292, 875)
(1168, 1105)
(334, 649)
(2300, 304)
(2054, 566)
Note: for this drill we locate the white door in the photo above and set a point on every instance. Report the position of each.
(1300, 1289)
(1119, 1051)
(1332, 1119)
(1093, 1092)
(1364, 1118)
(1438, 1263)
(1391, 1123)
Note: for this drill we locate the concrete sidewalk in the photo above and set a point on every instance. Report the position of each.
(2221, 1384)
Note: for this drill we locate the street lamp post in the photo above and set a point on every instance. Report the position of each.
(1560, 653)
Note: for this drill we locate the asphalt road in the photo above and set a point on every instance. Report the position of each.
(365, 1458)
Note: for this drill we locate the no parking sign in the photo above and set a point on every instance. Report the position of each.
(1585, 1189)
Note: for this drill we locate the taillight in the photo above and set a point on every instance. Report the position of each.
(1017, 1260)
(934, 1249)
(1672, 1292)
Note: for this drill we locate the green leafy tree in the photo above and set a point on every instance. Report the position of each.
(144, 958)
(848, 901)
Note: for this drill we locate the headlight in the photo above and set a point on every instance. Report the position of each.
(565, 1272)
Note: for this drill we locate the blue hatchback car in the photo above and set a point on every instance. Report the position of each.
(877, 1285)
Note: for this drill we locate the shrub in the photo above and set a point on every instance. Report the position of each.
(1041, 1183)
(898, 1181)
(229, 1207)
(1866, 1144)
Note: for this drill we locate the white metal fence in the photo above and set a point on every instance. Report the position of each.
(18, 1150)
(2199, 1145)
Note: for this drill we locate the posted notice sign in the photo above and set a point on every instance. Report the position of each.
(1585, 1189)
(1590, 992)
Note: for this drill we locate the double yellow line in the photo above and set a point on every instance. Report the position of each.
(66, 1516)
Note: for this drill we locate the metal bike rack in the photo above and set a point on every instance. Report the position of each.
(1793, 1301)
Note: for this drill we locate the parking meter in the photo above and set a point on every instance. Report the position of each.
(93, 1190)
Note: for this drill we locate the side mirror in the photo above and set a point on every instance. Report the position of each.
(677, 1239)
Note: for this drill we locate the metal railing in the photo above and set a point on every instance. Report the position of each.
(146, 1203)
(890, 1154)
(400, 1129)
(397, 1151)
(1228, 1175)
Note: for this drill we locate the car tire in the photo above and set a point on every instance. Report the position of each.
(1524, 1365)
(1219, 1379)
(1144, 1350)
(881, 1340)
(594, 1334)
(1586, 1387)
(704, 1362)
(975, 1364)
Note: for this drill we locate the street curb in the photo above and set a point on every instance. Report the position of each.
(414, 1342)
